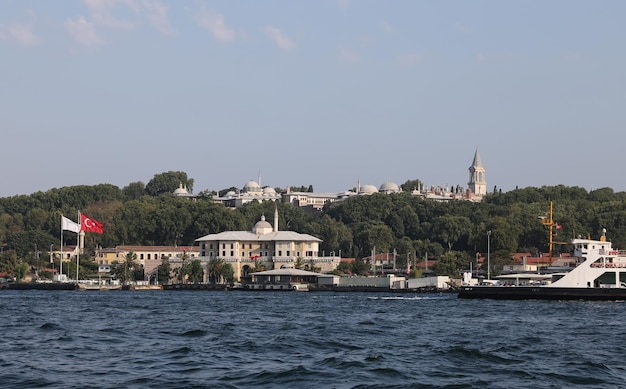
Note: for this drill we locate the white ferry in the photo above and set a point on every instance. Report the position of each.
(599, 274)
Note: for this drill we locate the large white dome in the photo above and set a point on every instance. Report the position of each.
(251, 186)
(368, 189)
(389, 187)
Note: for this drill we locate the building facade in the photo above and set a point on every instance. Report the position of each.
(265, 246)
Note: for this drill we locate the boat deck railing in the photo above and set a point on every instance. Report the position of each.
(609, 265)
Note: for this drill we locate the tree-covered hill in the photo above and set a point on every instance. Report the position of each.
(455, 231)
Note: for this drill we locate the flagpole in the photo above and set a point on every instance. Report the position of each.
(61, 256)
(79, 248)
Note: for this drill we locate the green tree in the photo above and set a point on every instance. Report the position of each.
(125, 271)
(194, 271)
(361, 267)
(299, 264)
(164, 270)
(214, 270)
(168, 182)
(134, 190)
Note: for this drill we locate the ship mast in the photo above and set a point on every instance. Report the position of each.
(549, 222)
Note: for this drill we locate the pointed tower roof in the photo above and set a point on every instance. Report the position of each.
(477, 162)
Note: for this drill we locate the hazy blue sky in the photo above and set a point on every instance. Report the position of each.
(320, 93)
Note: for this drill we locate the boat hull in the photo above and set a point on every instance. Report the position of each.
(42, 286)
(541, 293)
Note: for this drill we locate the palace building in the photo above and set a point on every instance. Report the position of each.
(267, 246)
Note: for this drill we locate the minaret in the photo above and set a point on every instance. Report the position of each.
(477, 183)
(276, 219)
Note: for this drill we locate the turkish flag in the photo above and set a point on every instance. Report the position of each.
(89, 225)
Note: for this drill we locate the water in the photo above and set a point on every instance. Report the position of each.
(158, 339)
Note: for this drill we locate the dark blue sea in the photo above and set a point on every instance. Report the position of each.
(177, 339)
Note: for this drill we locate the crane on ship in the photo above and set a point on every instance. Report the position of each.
(548, 221)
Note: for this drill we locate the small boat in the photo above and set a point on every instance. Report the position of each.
(599, 274)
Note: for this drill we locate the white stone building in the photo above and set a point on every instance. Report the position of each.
(266, 245)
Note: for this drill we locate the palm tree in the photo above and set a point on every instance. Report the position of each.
(183, 270)
(259, 266)
(299, 263)
(214, 270)
(126, 270)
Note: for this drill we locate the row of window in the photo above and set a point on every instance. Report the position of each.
(232, 246)
(251, 254)
(155, 256)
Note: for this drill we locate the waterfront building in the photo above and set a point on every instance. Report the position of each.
(150, 257)
(265, 247)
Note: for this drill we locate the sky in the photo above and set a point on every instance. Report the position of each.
(324, 93)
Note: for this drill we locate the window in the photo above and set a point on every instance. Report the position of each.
(223, 245)
(297, 253)
(223, 253)
(140, 256)
(288, 253)
(280, 253)
(148, 256)
(232, 253)
(211, 246)
(231, 246)
(211, 254)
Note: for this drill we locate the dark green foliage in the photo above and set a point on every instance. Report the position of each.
(133, 191)
(168, 182)
(193, 272)
(454, 231)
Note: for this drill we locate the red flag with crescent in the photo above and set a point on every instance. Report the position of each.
(88, 224)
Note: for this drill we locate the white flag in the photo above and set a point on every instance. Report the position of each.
(67, 224)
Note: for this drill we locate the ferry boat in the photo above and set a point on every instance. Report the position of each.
(599, 274)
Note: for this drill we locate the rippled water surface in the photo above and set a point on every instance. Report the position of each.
(159, 339)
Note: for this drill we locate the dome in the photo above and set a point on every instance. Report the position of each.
(389, 187)
(269, 190)
(251, 186)
(230, 193)
(262, 226)
(368, 189)
(180, 190)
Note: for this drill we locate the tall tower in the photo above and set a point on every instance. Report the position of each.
(477, 183)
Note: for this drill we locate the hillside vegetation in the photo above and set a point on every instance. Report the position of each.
(452, 232)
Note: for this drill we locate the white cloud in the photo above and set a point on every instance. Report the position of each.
(158, 16)
(214, 22)
(83, 32)
(282, 41)
(348, 55)
(101, 12)
(387, 27)
(24, 35)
